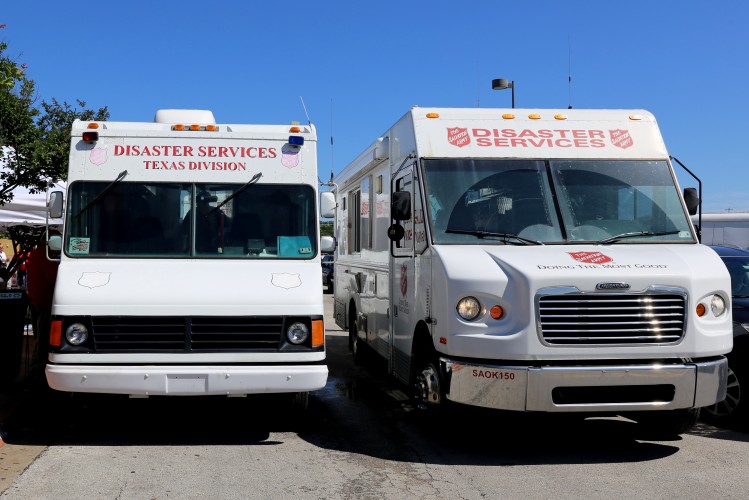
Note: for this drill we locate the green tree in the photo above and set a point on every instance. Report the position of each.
(35, 139)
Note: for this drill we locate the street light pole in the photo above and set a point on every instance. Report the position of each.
(502, 84)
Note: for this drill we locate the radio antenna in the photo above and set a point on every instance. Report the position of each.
(331, 140)
(569, 70)
(305, 110)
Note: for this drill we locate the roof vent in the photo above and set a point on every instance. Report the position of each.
(202, 116)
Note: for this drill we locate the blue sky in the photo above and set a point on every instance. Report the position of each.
(361, 65)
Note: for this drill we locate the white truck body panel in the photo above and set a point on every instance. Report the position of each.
(394, 298)
(727, 229)
(170, 311)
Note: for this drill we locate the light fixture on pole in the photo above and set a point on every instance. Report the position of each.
(502, 84)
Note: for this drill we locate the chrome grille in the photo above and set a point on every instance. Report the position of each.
(581, 318)
(179, 334)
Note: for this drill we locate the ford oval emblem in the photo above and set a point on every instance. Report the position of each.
(612, 286)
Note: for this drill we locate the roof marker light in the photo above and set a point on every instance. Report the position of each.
(508, 116)
(295, 130)
(635, 117)
(433, 115)
(534, 116)
(194, 127)
(93, 125)
(211, 128)
(179, 126)
(296, 140)
(560, 117)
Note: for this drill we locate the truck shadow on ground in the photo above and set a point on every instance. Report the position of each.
(361, 411)
(366, 412)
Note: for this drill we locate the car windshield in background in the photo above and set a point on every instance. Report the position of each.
(135, 219)
(738, 268)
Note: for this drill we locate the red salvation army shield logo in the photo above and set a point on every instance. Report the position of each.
(590, 257)
(458, 137)
(621, 138)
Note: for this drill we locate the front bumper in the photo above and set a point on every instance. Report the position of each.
(602, 388)
(189, 380)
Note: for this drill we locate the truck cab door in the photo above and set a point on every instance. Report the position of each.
(402, 279)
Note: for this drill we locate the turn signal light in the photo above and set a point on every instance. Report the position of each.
(496, 312)
(318, 333)
(55, 333)
(700, 309)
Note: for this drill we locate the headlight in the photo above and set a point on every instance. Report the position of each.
(76, 334)
(297, 333)
(717, 305)
(468, 308)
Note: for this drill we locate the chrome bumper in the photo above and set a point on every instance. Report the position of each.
(587, 388)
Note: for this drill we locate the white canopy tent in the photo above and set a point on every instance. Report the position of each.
(26, 208)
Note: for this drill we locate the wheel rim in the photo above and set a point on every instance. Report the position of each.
(428, 386)
(733, 398)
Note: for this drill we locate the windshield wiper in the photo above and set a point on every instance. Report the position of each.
(103, 192)
(635, 234)
(249, 183)
(504, 236)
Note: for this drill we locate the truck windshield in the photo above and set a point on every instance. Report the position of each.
(557, 201)
(135, 219)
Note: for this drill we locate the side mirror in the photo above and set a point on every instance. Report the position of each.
(54, 243)
(400, 206)
(55, 204)
(692, 200)
(327, 244)
(327, 204)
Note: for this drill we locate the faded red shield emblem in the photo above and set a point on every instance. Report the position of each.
(621, 138)
(404, 279)
(590, 257)
(98, 156)
(458, 136)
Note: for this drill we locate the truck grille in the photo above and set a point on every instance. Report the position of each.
(588, 319)
(179, 334)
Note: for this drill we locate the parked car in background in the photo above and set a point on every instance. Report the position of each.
(327, 273)
(734, 410)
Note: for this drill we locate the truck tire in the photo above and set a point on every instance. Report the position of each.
(299, 402)
(427, 381)
(732, 411)
(666, 423)
(357, 347)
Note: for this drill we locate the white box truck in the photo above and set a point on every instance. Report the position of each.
(723, 228)
(190, 260)
(539, 260)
